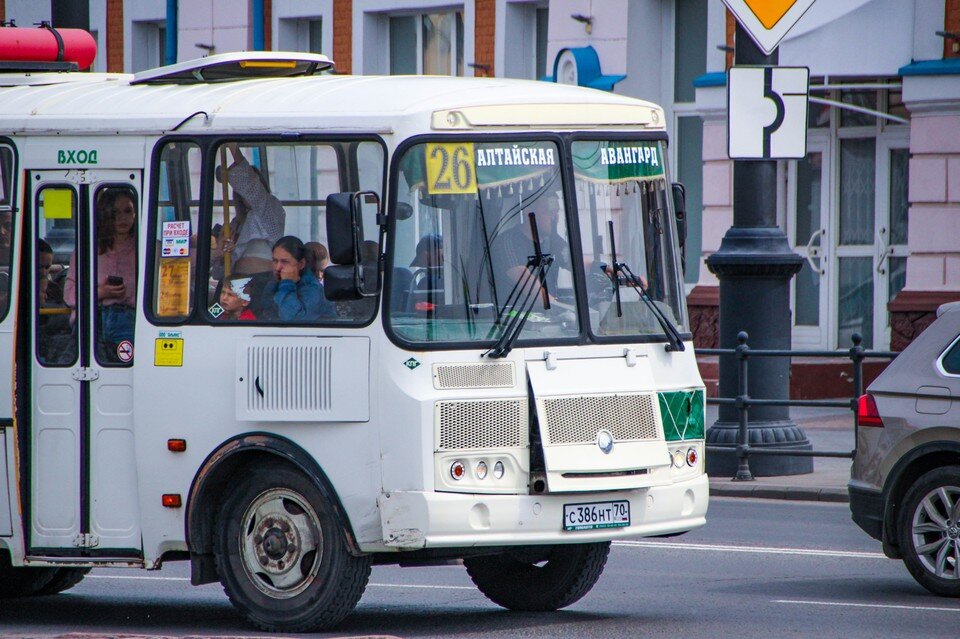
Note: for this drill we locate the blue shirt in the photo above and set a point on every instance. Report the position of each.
(299, 301)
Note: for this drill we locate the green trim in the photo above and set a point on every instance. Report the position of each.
(683, 414)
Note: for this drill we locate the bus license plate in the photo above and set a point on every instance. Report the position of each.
(604, 514)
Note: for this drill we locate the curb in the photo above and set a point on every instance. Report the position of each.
(757, 490)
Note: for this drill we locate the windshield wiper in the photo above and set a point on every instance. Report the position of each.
(669, 330)
(528, 288)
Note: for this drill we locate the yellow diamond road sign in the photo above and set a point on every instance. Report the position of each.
(767, 21)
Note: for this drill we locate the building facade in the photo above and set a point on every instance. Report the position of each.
(874, 208)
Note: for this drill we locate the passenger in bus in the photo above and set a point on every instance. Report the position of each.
(57, 343)
(50, 293)
(116, 269)
(235, 298)
(295, 293)
(259, 220)
(319, 258)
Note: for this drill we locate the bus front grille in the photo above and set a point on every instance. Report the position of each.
(485, 423)
(578, 419)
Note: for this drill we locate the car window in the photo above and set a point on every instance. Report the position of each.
(951, 359)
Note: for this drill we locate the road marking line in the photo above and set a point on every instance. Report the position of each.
(137, 577)
(377, 585)
(759, 550)
(423, 586)
(865, 605)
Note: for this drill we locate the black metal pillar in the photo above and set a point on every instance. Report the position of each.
(754, 266)
(70, 14)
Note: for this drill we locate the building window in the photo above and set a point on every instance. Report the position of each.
(151, 51)
(690, 173)
(301, 34)
(427, 43)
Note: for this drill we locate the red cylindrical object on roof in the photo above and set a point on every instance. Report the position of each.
(22, 44)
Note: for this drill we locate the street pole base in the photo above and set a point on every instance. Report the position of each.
(779, 435)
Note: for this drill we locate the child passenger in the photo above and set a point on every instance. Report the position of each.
(295, 293)
(235, 297)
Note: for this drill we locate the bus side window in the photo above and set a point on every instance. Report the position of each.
(6, 224)
(269, 199)
(115, 273)
(56, 242)
(175, 230)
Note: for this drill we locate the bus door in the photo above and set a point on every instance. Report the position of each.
(82, 497)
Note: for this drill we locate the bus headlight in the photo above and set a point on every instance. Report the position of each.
(498, 470)
(692, 457)
(481, 470)
(457, 470)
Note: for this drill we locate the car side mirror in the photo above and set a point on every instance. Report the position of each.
(680, 211)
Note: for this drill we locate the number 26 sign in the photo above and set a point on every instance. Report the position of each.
(450, 168)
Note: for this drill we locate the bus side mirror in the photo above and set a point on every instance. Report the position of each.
(344, 235)
(680, 210)
(344, 229)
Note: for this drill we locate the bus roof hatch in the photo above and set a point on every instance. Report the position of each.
(241, 65)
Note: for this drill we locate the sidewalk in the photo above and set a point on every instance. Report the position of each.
(828, 429)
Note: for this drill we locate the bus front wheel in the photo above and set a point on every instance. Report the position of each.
(535, 578)
(281, 554)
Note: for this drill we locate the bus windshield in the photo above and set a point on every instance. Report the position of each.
(622, 187)
(467, 217)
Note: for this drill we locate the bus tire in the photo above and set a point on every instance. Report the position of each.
(22, 582)
(64, 579)
(535, 579)
(282, 556)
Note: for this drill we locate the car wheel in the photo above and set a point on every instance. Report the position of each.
(539, 578)
(929, 531)
(282, 556)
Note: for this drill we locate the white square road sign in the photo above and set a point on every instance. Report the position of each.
(767, 113)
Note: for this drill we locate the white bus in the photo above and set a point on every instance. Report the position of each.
(288, 325)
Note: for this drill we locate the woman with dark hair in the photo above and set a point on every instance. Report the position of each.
(116, 266)
(295, 293)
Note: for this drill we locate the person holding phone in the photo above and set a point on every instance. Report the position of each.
(116, 268)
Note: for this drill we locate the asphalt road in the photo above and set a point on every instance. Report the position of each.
(759, 569)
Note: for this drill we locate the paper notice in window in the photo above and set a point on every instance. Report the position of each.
(173, 294)
(175, 239)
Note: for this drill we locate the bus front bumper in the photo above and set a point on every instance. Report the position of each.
(413, 520)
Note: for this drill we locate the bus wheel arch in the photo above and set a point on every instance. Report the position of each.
(218, 475)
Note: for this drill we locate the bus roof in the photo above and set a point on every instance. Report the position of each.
(91, 103)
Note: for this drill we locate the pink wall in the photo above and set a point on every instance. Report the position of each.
(223, 23)
(934, 229)
(717, 193)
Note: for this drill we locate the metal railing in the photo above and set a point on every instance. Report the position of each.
(856, 354)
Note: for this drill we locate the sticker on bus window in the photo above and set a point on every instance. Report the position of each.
(173, 295)
(451, 168)
(58, 204)
(175, 239)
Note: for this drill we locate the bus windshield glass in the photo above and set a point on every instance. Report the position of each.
(625, 183)
(473, 221)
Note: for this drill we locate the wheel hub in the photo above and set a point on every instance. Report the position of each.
(953, 532)
(276, 544)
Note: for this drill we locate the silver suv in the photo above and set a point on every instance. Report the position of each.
(905, 481)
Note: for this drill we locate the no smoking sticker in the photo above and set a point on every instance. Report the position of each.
(125, 351)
